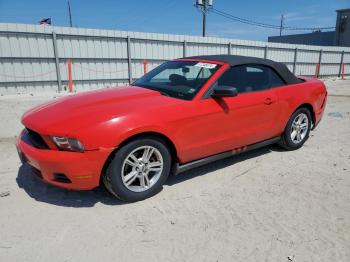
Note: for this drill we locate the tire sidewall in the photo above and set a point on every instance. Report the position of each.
(115, 176)
(287, 139)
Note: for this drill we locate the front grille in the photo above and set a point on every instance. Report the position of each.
(34, 139)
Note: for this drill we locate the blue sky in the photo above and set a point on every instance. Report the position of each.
(175, 16)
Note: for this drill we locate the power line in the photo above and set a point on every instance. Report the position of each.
(243, 20)
(265, 25)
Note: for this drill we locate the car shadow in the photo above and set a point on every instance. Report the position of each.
(43, 192)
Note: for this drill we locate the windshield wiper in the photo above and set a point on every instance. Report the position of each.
(154, 89)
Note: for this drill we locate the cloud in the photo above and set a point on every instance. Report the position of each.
(297, 17)
(310, 17)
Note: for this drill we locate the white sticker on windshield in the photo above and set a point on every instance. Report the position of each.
(206, 65)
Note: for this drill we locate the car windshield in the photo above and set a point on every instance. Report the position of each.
(179, 79)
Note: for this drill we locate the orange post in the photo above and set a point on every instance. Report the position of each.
(342, 71)
(144, 66)
(316, 71)
(70, 80)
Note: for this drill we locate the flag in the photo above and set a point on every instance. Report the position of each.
(46, 21)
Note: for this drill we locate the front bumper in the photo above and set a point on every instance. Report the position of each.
(83, 170)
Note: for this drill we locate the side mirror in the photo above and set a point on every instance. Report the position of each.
(224, 91)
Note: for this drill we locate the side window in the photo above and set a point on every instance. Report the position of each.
(250, 78)
(275, 80)
(232, 77)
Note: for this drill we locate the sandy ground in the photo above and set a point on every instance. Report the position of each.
(266, 205)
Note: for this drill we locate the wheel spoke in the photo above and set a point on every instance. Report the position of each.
(155, 164)
(298, 137)
(294, 134)
(129, 178)
(146, 180)
(130, 163)
(304, 126)
(155, 169)
(132, 160)
(147, 153)
(300, 119)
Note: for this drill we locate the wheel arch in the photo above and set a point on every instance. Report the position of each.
(311, 109)
(303, 105)
(151, 134)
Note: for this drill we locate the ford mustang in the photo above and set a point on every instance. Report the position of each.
(182, 114)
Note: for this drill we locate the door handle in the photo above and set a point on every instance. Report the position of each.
(269, 101)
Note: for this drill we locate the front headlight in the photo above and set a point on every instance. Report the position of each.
(68, 144)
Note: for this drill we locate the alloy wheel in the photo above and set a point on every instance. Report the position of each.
(142, 168)
(299, 128)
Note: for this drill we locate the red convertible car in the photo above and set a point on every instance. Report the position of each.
(182, 114)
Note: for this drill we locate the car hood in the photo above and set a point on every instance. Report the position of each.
(64, 115)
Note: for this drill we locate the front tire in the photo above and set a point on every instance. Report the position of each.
(297, 130)
(138, 169)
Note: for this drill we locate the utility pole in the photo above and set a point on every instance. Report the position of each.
(204, 16)
(281, 26)
(70, 14)
(204, 5)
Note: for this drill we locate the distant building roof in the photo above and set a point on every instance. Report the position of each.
(343, 10)
(314, 38)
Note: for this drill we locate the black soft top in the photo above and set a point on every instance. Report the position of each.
(235, 60)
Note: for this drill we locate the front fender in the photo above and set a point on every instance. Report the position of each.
(111, 133)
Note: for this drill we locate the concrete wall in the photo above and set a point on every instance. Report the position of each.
(33, 57)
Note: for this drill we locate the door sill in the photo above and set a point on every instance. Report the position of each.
(184, 167)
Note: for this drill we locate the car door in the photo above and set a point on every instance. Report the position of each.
(231, 122)
(252, 114)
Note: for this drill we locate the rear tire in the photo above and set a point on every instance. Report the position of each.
(138, 169)
(297, 130)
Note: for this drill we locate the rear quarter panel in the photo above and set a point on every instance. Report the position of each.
(312, 92)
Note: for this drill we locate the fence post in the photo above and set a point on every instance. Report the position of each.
(229, 48)
(184, 48)
(316, 70)
(319, 64)
(145, 66)
(70, 76)
(57, 61)
(128, 49)
(266, 50)
(341, 63)
(295, 60)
